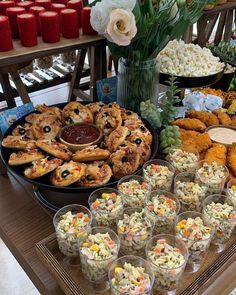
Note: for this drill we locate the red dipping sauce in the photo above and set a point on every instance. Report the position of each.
(80, 133)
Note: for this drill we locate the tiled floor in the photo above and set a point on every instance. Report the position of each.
(13, 280)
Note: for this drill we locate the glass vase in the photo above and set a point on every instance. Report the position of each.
(137, 82)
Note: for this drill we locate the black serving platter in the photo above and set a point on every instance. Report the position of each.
(192, 82)
(62, 195)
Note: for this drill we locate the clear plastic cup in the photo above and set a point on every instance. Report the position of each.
(134, 232)
(146, 277)
(167, 278)
(231, 190)
(105, 210)
(197, 248)
(68, 242)
(162, 208)
(96, 270)
(159, 173)
(223, 222)
(134, 190)
(216, 180)
(189, 191)
(183, 161)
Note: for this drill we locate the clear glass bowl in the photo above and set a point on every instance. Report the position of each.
(162, 212)
(167, 278)
(107, 213)
(96, 270)
(159, 173)
(224, 223)
(134, 190)
(133, 239)
(189, 191)
(135, 261)
(197, 247)
(68, 242)
(183, 161)
(231, 190)
(215, 181)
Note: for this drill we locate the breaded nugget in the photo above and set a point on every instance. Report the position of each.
(199, 144)
(207, 118)
(224, 119)
(233, 120)
(190, 124)
(231, 158)
(217, 153)
(187, 134)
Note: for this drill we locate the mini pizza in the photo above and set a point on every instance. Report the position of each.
(42, 167)
(24, 130)
(125, 161)
(116, 138)
(143, 147)
(43, 108)
(18, 142)
(25, 157)
(95, 107)
(31, 117)
(108, 119)
(97, 173)
(142, 132)
(91, 153)
(68, 173)
(129, 115)
(54, 148)
(75, 112)
(46, 126)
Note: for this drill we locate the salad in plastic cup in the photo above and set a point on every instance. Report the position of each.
(168, 256)
(196, 231)
(97, 252)
(183, 161)
(106, 205)
(131, 275)
(162, 208)
(231, 190)
(159, 173)
(72, 224)
(134, 229)
(220, 210)
(134, 190)
(213, 175)
(189, 191)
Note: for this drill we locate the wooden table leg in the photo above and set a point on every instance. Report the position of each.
(19, 85)
(98, 68)
(77, 74)
(7, 90)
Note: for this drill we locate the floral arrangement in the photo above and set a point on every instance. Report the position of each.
(138, 30)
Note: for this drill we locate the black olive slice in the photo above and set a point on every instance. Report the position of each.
(46, 129)
(21, 131)
(138, 140)
(123, 145)
(128, 113)
(69, 120)
(108, 125)
(49, 158)
(124, 160)
(76, 111)
(142, 128)
(89, 177)
(65, 173)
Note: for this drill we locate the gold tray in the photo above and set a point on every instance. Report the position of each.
(72, 281)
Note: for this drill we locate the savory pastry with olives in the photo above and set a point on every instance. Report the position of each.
(91, 153)
(54, 148)
(97, 173)
(24, 130)
(46, 126)
(75, 112)
(116, 138)
(18, 142)
(42, 167)
(68, 173)
(125, 161)
(25, 157)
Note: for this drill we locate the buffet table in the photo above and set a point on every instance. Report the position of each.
(14, 59)
(23, 223)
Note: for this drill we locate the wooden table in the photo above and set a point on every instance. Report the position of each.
(12, 60)
(23, 223)
(224, 14)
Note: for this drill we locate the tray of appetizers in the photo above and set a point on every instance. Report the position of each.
(77, 147)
